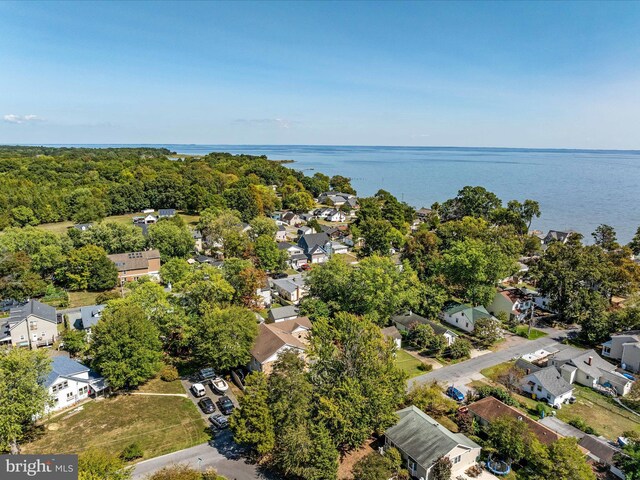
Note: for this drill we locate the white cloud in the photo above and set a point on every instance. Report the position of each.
(12, 118)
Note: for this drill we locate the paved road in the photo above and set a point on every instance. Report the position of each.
(227, 462)
(465, 372)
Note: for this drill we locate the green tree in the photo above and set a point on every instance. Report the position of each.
(270, 257)
(174, 271)
(341, 184)
(22, 394)
(634, 245)
(252, 423)
(112, 236)
(510, 437)
(423, 337)
(17, 279)
(245, 280)
(23, 216)
(374, 466)
(470, 202)
(629, 460)
(430, 399)
(223, 338)
(97, 464)
(299, 202)
(461, 348)
(88, 268)
(605, 236)
(125, 345)
(204, 289)
(86, 206)
(172, 240)
(75, 341)
(487, 331)
(567, 462)
(356, 380)
(263, 226)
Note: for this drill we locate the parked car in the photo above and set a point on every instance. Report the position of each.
(206, 374)
(306, 266)
(219, 386)
(279, 275)
(454, 393)
(207, 406)
(225, 405)
(219, 421)
(198, 390)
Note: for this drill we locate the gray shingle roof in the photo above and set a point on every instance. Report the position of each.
(549, 378)
(33, 307)
(90, 315)
(283, 312)
(422, 438)
(408, 318)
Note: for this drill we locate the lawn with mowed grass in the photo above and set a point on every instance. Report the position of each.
(600, 413)
(62, 227)
(534, 335)
(495, 372)
(405, 361)
(159, 424)
(157, 385)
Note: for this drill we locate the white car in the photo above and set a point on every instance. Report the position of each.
(198, 390)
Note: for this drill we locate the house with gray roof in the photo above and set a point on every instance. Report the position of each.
(465, 316)
(90, 315)
(167, 212)
(586, 367)
(625, 348)
(31, 325)
(548, 385)
(421, 441)
(280, 314)
(316, 246)
(406, 320)
(70, 382)
(292, 288)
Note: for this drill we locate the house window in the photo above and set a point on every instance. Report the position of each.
(539, 388)
(69, 395)
(457, 459)
(33, 325)
(411, 464)
(588, 377)
(467, 324)
(21, 337)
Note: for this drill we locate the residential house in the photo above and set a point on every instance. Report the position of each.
(89, 316)
(547, 385)
(297, 257)
(602, 451)
(465, 316)
(423, 214)
(556, 236)
(147, 219)
(31, 325)
(148, 210)
(421, 441)
(624, 347)
(586, 367)
(167, 212)
(335, 216)
(83, 227)
(304, 230)
(281, 234)
(489, 409)
(281, 314)
(393, 333)
(265, 298)
(134, 265)
(292, 288)
(298, 260)
(275, 338)
(514, 303)
(316, 246)
(197, 239)
(290, 218)
(214, 262)
(539, 300)
(337, 199)
(338, 248)
(336, 232)
(70, 382)
(404, 322)
(290, 248)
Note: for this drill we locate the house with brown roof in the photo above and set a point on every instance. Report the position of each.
(490, 409)
(276, 338)
(133, 265)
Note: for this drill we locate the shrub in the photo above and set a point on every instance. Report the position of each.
(104, 297)
(169, 373)
(459, 349)
(425, 367)
(580, 424)
(131, 452)
(497, 392)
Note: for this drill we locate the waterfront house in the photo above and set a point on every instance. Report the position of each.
(422, 441)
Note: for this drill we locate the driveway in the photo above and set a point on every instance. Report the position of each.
(465, 372)
(226, 461)
(186, 383)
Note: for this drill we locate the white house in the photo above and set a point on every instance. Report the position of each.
(335, 216)
(547, 384)
(281, 234)
(405, 321)
(71, 382)
(292, 288)
(281, 314)
(624, 347)
(465, 316)
(586, 367)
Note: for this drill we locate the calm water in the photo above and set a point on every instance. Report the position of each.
(577, 189)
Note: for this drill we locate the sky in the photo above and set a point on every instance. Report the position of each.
(509, 74)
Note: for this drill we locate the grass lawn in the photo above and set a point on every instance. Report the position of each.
(408, 363)
(157, 385)
(62, 227)
(495, 372)
(600, 413)
(159, 424)
(82, 299)
(535, 333)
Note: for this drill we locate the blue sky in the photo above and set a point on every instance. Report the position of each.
(513, 74)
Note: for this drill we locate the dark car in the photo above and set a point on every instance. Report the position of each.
(279, 275)
(206, 374)
(207, 406)
(455, 394)
(306, 266)
(225, 405)
(219, 421)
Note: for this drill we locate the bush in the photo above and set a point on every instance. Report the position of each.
(169, 373)
(542, 409)
(497, 392)
(131, 452)
(425, 367)
(104, 297)
(580, 424)
(459, 349)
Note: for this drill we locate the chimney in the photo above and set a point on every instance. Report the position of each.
(589, 361)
